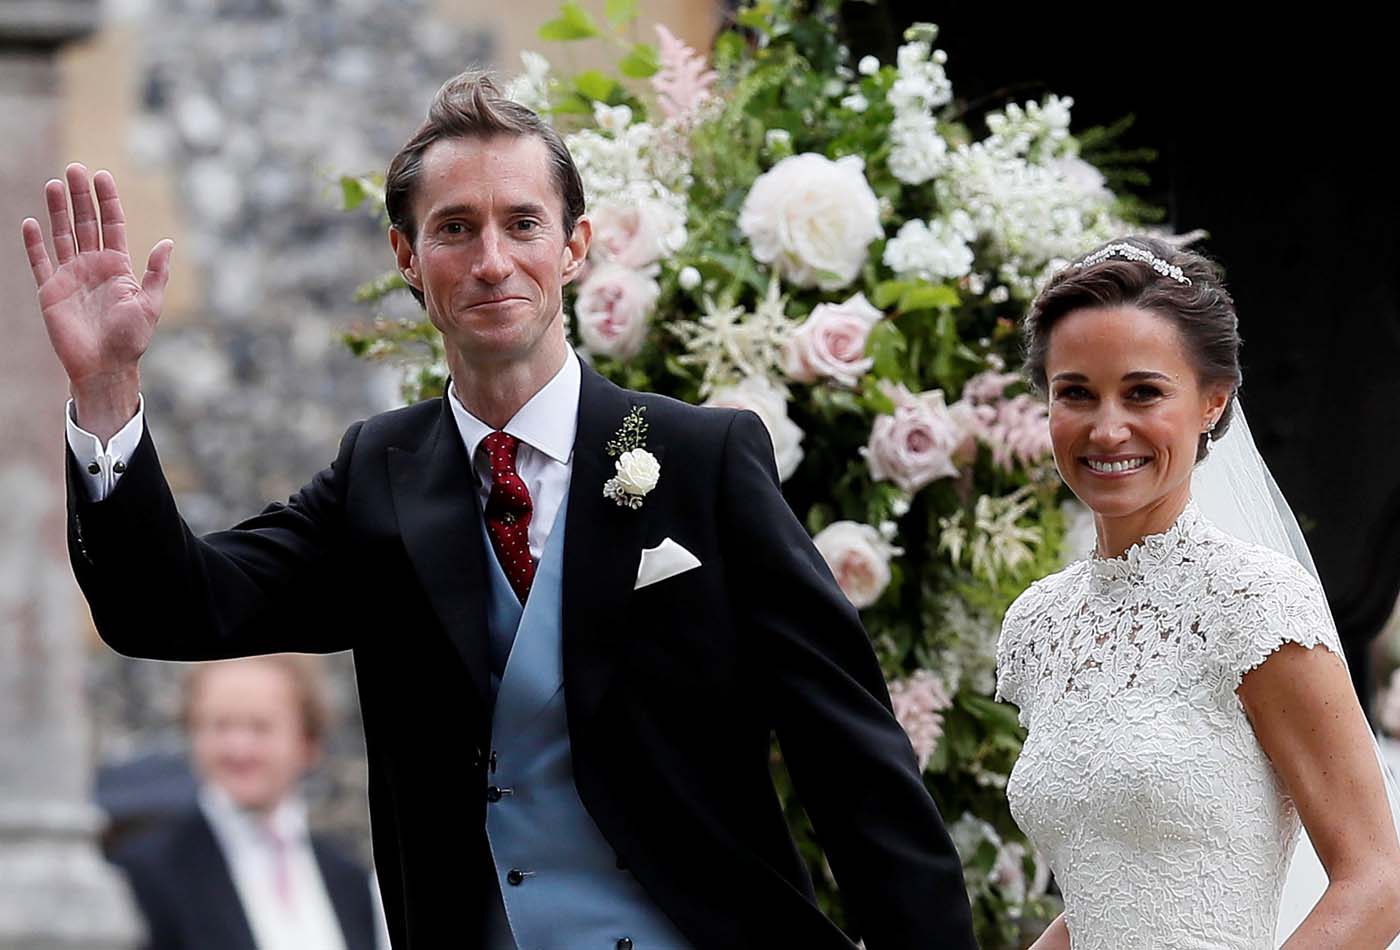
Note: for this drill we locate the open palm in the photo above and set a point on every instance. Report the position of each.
(99, 316)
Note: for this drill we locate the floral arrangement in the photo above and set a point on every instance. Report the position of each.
(845, 250)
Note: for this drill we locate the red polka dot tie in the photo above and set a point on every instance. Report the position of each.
(508, 510)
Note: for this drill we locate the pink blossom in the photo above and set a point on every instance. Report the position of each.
(614, 308)
(830, 343)
(989, 386)
(919, 702)
(915, 444)
(684, 79)
(1021, 432)
(859, 559)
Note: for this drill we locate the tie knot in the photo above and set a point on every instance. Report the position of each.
(500, 452)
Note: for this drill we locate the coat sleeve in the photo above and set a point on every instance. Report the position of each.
(158, 591)
(852, 765)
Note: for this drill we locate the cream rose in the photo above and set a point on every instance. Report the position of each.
(812, 219)
(859, 559)
(769, 402)
(614, 309)
(830, 344)
(638, 471)
(915, 444)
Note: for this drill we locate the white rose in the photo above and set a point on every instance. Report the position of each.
(762, 397)
(638, 471)
(614, 308)
(915, 444)
(830, 343)
(812, 219)
(859, 560)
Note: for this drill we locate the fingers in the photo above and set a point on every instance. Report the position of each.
(85, 226)
(56, 197)
(110, 208)
(39, 262)
(158, 273)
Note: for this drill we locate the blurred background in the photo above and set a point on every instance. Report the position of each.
(227, 124)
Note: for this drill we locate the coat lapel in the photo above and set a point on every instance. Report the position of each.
(439, 520)
(602, 549)
(210, 888)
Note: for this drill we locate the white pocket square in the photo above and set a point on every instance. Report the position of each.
(665, 560)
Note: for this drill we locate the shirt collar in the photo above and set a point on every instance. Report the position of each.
(547, 422)
(234, 825)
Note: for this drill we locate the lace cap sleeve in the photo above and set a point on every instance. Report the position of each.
(1275, 601)
(1015, 653)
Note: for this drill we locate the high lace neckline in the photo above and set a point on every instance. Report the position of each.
(1154, 552)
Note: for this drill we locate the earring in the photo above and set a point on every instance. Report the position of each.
(1210, 427)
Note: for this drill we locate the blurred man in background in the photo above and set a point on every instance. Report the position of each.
(241, 871)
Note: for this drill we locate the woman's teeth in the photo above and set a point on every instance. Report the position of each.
(1111, 468)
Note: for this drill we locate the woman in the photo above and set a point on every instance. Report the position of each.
(1183, 691)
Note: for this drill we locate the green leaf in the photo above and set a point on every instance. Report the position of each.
(620, 12)
(927, 297)
(756, 17)
(886, 345)
(352, 192)
(595, 85)
(888, 292)
(998, 717)
(573, 23)
(640, 62)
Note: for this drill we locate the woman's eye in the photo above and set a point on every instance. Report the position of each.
(1073, 393)
(1145, 393)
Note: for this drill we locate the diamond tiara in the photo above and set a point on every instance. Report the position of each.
(1131, 252)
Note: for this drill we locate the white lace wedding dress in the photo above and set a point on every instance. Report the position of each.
(1141, 781)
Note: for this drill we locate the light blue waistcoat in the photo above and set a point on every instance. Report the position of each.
(571, 892)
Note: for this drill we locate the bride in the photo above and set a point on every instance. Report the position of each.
(1184, 691)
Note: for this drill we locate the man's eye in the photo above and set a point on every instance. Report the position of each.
(527, 224)
(454, 227)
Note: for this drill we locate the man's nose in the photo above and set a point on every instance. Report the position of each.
(492, 264)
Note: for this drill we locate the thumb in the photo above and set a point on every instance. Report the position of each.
(158, 272)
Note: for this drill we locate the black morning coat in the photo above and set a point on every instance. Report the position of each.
(673, 691)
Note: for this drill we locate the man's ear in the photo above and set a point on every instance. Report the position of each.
(405, 257)
(576, 250)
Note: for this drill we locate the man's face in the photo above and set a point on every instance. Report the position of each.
(491, 257)
(247, 734)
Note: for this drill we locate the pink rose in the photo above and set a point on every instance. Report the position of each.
(859, 559)
(635, 230)
(614, 308)
(830, 344)
(915, 444)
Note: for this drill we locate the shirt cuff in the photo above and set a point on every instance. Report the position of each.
(102, 466)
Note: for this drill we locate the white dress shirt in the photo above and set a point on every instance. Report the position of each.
(294, 916)
(545, 426)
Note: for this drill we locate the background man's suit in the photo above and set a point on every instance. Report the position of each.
(672, 691)
(183, 885)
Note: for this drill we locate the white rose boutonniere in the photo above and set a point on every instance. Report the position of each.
(638, 470)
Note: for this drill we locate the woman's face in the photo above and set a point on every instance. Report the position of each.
(1126, 411)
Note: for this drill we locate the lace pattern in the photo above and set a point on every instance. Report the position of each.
(1141, 780)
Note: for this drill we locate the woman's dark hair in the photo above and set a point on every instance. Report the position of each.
(470, 106)
(1112, 276)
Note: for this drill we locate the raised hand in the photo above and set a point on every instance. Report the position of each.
(99, 316)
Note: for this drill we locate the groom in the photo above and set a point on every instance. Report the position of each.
(569, 669)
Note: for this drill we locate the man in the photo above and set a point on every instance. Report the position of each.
(569, 675)
(240, 872)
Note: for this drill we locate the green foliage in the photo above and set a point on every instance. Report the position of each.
(573, 23)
